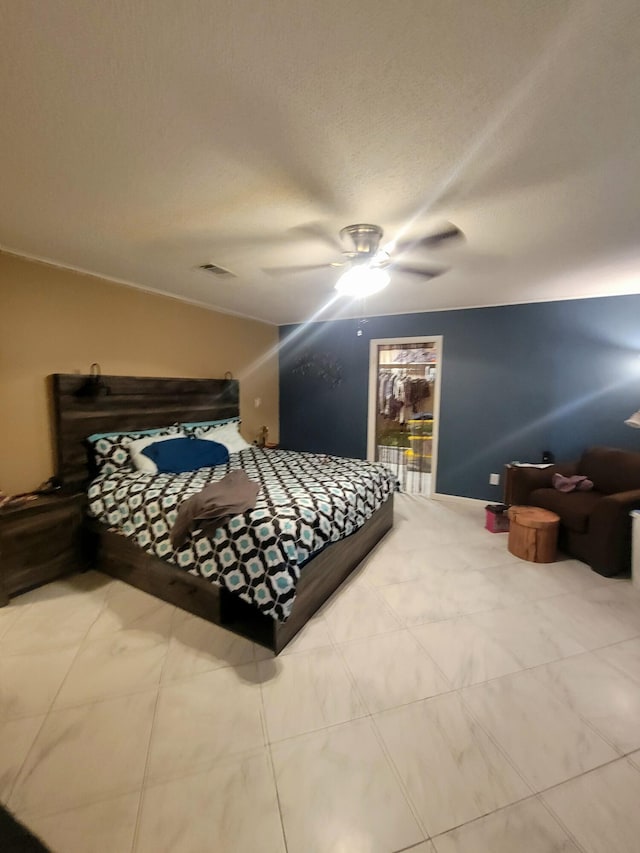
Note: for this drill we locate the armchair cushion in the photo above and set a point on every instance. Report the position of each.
(525, 480)
(611, 470)
(574, 508)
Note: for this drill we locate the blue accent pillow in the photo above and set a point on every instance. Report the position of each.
(177, 455)
(111, 449)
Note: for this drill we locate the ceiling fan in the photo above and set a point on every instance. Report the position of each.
(367, 264)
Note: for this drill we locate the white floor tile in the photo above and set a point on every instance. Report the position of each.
(527, 581)
(392, 568)
(393, 669)
(445, 597)
(29, 683)
(307, 691)
(546, 740)
(49, 625)
(618, 598)
(477, 537)
(128, 607)
(16, 739)
(85, 754)
(357, 612)
(231, 808)
(465, 652)
(624, 656)
(8, 615)
(451, 769)
(314, 635)
(338, 792)
(576, 576)
(481, 556)
(600, 809)
(601, 694)
(104, 827)
(528, 635)
(201, 719)
(408, 536)
(591, 623)
(525, 827)
(90, 584)
(414, 536)
(634, 758)
(199, 646)
(440, 603)
(125, 662)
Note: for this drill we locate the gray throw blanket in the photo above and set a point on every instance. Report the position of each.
(214, 505)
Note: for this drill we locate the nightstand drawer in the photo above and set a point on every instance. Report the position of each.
(23, 575)
(40, 541)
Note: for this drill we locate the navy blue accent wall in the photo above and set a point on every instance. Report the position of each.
(516, 380)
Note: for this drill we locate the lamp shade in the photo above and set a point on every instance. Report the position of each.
(634, 420)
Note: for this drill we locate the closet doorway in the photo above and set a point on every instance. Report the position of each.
(404, 405)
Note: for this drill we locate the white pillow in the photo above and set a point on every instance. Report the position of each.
(142, 462)
(227, 435)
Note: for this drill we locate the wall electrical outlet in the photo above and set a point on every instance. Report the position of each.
(494, 479)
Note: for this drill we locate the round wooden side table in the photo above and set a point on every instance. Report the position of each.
(533, 533)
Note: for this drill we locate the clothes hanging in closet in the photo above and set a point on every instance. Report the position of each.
(399, 394)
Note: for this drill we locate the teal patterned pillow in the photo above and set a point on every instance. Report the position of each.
(111, 449)
(198, 428)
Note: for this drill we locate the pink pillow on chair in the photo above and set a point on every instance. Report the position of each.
(576, 483)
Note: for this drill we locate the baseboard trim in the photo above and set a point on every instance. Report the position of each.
(437, 496)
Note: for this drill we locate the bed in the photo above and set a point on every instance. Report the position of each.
(120, 548)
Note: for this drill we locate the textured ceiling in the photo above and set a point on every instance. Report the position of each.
(141, 138)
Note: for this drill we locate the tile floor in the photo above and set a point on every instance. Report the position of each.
(449, 699)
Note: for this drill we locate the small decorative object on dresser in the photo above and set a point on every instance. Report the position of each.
(40, 539)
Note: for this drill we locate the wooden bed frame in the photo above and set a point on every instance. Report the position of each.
(123, 403)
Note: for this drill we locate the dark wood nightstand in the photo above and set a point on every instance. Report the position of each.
(508, 484)
(40, 540)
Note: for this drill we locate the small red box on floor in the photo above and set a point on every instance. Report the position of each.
(497, 520)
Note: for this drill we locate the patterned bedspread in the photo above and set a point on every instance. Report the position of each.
(306, 501)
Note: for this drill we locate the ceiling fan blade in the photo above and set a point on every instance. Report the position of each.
(293, 270)
(425, 272)
(317, 231)
(449, 232)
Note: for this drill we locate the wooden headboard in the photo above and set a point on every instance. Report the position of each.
(133, 402)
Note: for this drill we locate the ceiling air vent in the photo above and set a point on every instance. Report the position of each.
(216, 270)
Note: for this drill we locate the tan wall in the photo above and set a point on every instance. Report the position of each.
(57, 321)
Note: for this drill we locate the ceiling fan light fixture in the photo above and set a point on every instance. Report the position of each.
(362, 280)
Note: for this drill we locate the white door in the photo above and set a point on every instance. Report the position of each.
(404, 404)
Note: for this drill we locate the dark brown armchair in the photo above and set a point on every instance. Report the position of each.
(594, 526)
